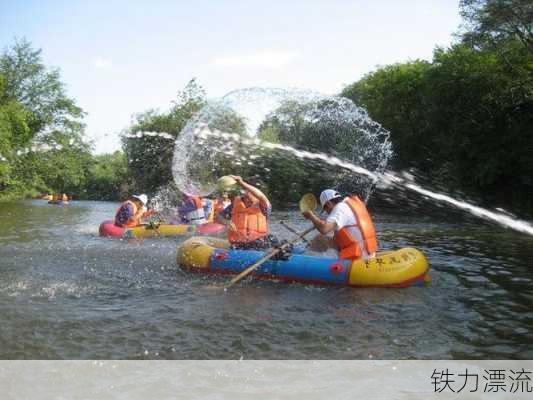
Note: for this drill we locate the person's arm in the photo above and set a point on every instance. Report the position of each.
(252, 189)
(322, 226)
(139, 217)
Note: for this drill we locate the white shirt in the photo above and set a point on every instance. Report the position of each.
(343, 216)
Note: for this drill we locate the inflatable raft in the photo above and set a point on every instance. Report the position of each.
(394, 269)
(108, 228)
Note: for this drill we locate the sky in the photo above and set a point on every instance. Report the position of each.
(119, 58)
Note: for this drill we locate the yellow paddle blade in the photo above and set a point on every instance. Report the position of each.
(225, 183)
(308, 202)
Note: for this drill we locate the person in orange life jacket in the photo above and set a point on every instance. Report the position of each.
(192, 211)
(249, 212)
(222, 203)
(130, 213)
(349, 220)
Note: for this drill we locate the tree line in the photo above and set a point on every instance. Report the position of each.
(43, 147)
(464, 119)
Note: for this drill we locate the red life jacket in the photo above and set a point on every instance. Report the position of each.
(250, 222)
(349, 246)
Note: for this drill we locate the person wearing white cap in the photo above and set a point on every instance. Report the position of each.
(130, 213)
(354, 235)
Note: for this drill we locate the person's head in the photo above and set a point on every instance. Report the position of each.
(225, 196)
(329, 198)
(141, 200)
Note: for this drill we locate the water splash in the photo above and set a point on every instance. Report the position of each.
(386, 179)
(333, 123)
(202, 146)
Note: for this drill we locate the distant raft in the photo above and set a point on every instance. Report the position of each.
(391, 269)
(109, 229)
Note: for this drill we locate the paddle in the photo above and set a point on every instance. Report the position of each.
(291, 229)
(307, 202)
(265, 258)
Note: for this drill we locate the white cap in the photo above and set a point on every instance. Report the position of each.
(327, 195)
(142, 197)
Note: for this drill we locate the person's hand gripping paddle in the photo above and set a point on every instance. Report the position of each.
(307, 203)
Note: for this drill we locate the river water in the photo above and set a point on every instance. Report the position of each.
(66, 293)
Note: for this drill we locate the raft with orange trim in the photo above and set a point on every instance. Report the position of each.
(394, 269)
(109, 229)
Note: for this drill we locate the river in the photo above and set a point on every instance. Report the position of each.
(66, 293)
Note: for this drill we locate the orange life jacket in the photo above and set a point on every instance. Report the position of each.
(349, 246)
(250, 222)
(133, 221)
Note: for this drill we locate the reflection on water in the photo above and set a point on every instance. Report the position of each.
(67, 293)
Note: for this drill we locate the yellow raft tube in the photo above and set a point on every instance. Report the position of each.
(394, 269)
(109, 229)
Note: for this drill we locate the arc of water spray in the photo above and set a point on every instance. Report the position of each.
(202, 131)
(387, 177)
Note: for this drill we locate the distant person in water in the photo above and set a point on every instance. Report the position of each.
(249, 212)
(64, 198)
(56, 199)
(130, 213)
(354, 235)
(192, 211)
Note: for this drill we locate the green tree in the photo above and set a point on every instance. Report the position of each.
(37, 87)
(108, 177)
(465, 119)
(14, 132)
(395, 96)
(41, 134)
(149, 156)
(495, 22)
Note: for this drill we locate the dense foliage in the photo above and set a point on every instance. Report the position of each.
(150, 155)
(466, 118)
(42, 139)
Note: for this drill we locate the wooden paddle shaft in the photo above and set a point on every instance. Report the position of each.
(266, 258)
(291, 229)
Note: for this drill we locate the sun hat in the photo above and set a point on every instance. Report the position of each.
(226, 183)
(308, 202)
